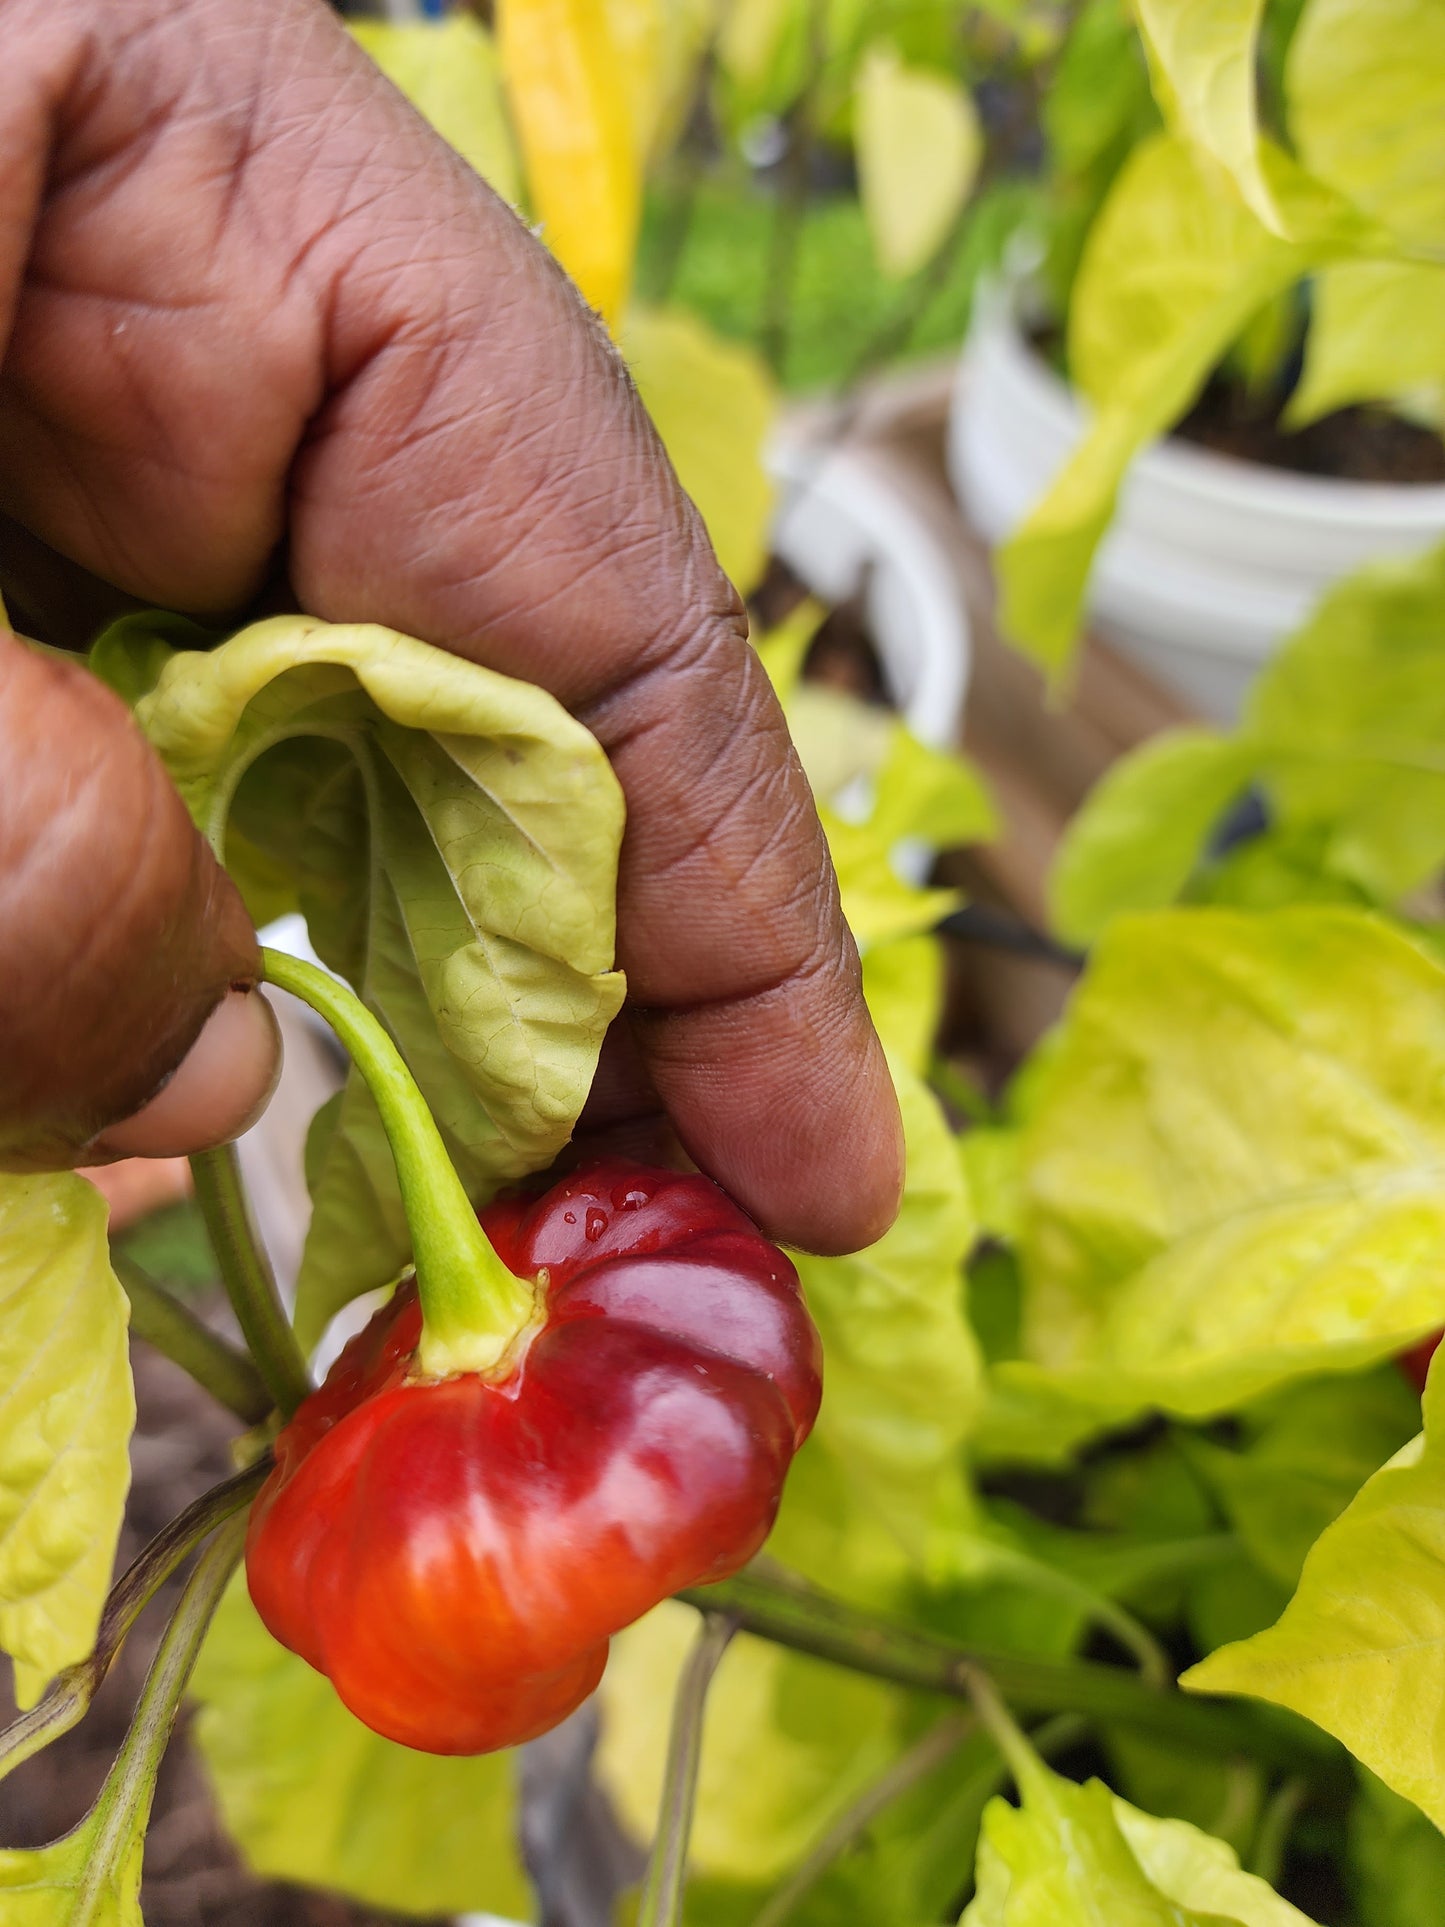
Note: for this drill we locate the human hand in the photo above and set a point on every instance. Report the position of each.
(259, 310)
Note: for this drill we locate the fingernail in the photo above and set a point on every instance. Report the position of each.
(219, 1090)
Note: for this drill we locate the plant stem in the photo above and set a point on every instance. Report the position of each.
(124, 1801)
(661, 1903)
(777, 1606)
(474, 1310)
(791, 211)
(1007, 1735)
(71, 1692)
(248, 1278)
(1276, 1824)
(921, 1759)
(179, 1335)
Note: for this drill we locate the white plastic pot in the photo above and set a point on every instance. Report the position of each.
(1211, 562)
(842, 523)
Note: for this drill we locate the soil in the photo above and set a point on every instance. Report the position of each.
(193, 1876)
(1352, 445)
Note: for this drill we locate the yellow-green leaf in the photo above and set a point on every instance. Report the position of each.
(47, 1886)
(903, 985)
(454, 834)
(1139, 835)
(1172, 271)
(1376, 334)
(1235, 1173)
(66, 1414)
(713, 403)
(1202, 55)
(1079, 1856)
(918, 144)
(311, 1795)
(1360, 1649)
(904, 1376)
(584, 174)
(1365, 92)
(448, 70)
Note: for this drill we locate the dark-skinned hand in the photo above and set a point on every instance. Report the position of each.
(257, 317)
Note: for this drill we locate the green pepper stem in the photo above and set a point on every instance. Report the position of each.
(474, 1309)
(246, 1273)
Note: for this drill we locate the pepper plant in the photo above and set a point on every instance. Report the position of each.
(1107, 1584)
(1278, 204)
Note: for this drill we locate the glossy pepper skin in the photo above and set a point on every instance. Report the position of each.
(455, 1553)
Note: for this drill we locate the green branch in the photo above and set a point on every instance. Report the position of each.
(775, 1605)
(124, 1802)
(246, 1273)
(662, 1890)
(179, 1335)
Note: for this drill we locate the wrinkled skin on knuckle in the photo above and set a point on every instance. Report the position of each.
(118, 933)
(163, 354)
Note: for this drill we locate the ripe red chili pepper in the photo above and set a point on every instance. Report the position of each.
(454, 1553)
(1415, 1363)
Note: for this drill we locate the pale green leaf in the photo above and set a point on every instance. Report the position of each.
(47, 1886)
(918, 144)
(930, 794)
(448, 70)
(880, 903)
(312, 1795)
(1233, 1176)
(1195, 1870)
(884, 798)
(712, 402)
(1202, 53)
(1141, 831)
(992, 1162)
(903, 1368)
(1376, 334)
(1365, 92)
(788, 1742)
(1397, 1857)
(903, 988)
(455, 841)
(1172, 271)
(1079, 1856)
(66, 1414)
(1350, 723)
(1345, 733)
(1360, 1648)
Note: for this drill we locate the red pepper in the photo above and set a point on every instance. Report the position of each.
(454, 1553)
(1415, 1363)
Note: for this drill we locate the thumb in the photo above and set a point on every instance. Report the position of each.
(129, 1021)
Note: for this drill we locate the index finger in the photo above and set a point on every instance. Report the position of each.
(497, 486)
